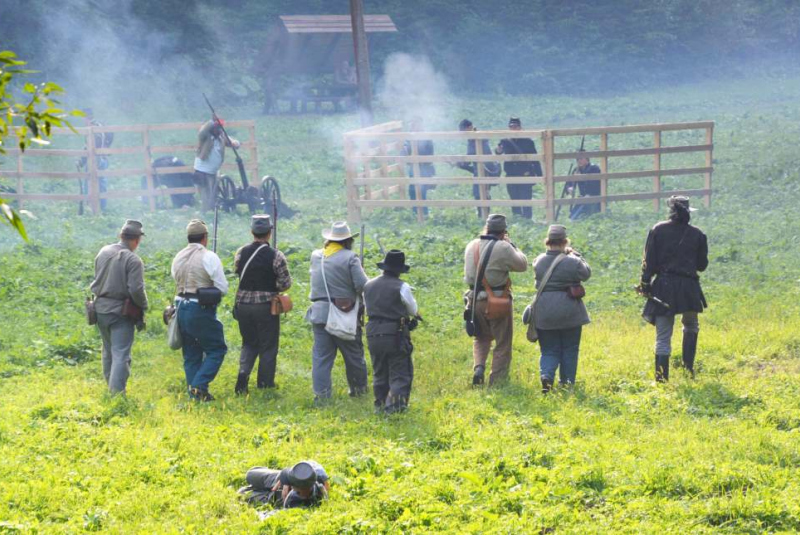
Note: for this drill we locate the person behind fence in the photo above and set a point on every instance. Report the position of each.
(305, 484)
(675, 252)
(263, 274)
(490, 169)
(586, 188)
(211, 143)
(102, 140)
(200, 284)
(337, 280)
(393, 314)
(487, 263)
(560, 313)
(519, 145)
(120, 302)
(426, 169)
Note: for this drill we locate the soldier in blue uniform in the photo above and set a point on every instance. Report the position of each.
(519, 145)
(586, 188)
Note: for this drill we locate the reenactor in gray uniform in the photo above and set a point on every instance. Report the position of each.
(393, 314)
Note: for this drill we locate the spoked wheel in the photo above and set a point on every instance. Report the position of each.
(270, 192)
(226, 193)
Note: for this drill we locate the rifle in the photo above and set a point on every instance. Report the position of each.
(239, 162)
(572, 171)
(274, 218)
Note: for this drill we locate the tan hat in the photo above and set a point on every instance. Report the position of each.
(133, 228)
(339, 231)
(557, 232)
(196, 227)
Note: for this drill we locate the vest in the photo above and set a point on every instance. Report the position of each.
(190, 274)
(260, 274)
(382, 298)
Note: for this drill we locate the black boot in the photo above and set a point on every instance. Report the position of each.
(689, 351)
(241, 384)
(662, 368)
(477, 375)
(547, 385)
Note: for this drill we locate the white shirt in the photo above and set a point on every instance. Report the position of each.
(213, 266)
(408, 299)
(214, 161)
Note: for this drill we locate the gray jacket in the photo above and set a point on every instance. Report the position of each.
(119, 275)
(554, 308)
(346, 279)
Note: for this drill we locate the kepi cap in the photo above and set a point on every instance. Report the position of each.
(496, 223)
(514, 121)
(132, 227)
(557, 232)
(260, 224)
(680, 200)
(196, 227)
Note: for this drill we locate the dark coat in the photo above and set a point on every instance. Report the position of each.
(589, 187)
(674, 254)
(520, 145)
(424, 148)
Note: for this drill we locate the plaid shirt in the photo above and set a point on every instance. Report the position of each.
(283, 281)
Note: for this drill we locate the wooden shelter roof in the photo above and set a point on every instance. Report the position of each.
(335, 23)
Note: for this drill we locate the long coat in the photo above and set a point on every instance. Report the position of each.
(674, 254)
(555, 309)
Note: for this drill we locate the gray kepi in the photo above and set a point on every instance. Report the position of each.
(260, 223)
(557, 232)
(339, 231)
(496, 223)
(132, 229)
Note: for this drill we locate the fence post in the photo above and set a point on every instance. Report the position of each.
(604, 170)
(709, 162)
(20, 184)
(657, 168)
(482, 188)
(91, 163)
(148, 168)
(549, 185)
(417, 175)
(384, 170)
(353, 211)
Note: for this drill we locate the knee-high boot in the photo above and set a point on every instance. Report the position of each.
(662, 368)
(689, 351)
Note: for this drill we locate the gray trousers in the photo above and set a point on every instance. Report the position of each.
(323, 356)
(665, 325)
(117, 334)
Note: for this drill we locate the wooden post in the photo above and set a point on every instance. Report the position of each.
(657, 168)
(483, 188)
(709, 162)
(151, 193)
(604, 170)
(362, 61)
(91, 163)
(20, 184)
(353, 211)
(384, 169)
(549, 185)
(417, 175)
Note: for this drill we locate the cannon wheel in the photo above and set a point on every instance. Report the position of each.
(226, 193)
(268, 186)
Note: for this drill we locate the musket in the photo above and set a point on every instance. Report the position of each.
(650, 296)
(361, 246)
(216, 224)
(566, 184)
(274, 218)
(239, 162)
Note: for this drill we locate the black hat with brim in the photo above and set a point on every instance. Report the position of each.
(394, 261)
(302, 475)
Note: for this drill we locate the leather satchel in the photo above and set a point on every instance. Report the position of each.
(281, 304)
(576, 292)
(131, 311)
(91, 313)
(497, 307)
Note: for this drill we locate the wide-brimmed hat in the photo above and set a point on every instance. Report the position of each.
(496, 223)
(557, 232)
(339, 231)
(680, 200)
(260, 223)
(132, 227)
(302, 475)
(395, 260)
(196, 227)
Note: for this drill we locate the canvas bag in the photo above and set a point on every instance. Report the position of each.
(529, 316)
(340, 324)
(173, 332)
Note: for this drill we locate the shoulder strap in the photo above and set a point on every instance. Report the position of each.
(252, 256)
(545, 280)
(324, 281)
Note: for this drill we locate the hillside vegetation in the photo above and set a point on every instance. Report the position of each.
(617, 454)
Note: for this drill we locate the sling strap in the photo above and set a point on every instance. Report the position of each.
(252, 256)
(542, 286)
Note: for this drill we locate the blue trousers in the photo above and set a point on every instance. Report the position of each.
(559, 351)
(203, 343)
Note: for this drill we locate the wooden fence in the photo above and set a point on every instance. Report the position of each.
(142, 150)
(377, 159)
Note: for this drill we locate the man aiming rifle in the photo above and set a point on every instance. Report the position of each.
(211, 143)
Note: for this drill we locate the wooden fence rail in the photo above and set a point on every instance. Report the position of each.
(382, 161)
(145, 147)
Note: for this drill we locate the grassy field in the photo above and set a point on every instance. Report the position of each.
(720, 454)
